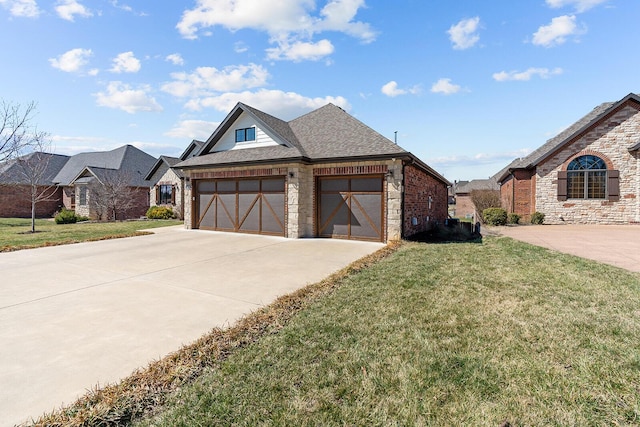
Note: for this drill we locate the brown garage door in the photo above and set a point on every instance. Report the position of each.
(351, 207)
(242, 205)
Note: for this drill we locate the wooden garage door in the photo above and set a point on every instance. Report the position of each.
(351, 207)
(242, 205)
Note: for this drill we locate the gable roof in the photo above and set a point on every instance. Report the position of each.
(477, 184)
(127, 159)
(328, 133)
(12, 173)
(163, 160)
(566, 136)
(192, 149)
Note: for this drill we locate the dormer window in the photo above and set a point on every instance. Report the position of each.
(245, 135)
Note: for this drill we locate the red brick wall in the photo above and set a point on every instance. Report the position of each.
(15, 202)
(140, 204)
(464, 206)
(418, 187)
(523, 193)
(506, 195)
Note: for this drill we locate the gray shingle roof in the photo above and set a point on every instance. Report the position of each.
(11, 171)
(129, 159)
(478, 184)
(163, 160)
(326, 133)
(564, 137)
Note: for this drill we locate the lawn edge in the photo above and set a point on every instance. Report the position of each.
(147, 389)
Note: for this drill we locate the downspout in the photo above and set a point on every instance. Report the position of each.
(513, 192)
(402, 188)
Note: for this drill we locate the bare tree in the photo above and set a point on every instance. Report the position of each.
(36, 175)
(15, 128)
(483, 199)
(110, 194)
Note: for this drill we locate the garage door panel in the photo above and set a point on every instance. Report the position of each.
(367, 216)
(249, 212)
(226, 211)
(207, 211)
(334, 215)
(273, 213)
(351, 207)
(244, 205)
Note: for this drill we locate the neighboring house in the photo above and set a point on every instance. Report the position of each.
(323, 174)
(16, 176)
(465, 208)
(125, 164)
(167, 182)
(589, 173)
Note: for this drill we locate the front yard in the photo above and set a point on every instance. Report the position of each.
(15, 232)
(492, 333)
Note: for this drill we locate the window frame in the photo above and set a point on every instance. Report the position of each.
(164, 197)
(246, 134)
(586, 177)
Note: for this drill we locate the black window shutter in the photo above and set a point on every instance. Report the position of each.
(562, 185)
(613, 185)
(157, 194)
(173, 194)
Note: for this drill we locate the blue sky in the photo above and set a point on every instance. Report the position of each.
(468, 85)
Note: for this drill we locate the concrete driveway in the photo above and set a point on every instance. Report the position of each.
(617, 245)
(79, 315)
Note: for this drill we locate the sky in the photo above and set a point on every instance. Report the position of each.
(465, 85)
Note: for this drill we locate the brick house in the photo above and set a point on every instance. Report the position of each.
(464, 206)
(167, 182)
(126, 163)
(16, 177)
(324, 174)
(588, 174)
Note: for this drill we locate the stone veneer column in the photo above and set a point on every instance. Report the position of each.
(394, 200)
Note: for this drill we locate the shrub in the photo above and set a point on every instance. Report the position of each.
(485, 199)
(513, 218)
(537, 218)
(160, 212)
(494, 216)
(66, 216)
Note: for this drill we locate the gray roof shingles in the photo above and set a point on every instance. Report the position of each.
(326, 133)
(12, 173)
(127, 159)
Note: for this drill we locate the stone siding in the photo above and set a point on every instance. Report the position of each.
(609, 139)
(167, 176)
(15, 202)
(425, 201)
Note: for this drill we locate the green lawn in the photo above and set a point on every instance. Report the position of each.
(15, 232)
(458, 334)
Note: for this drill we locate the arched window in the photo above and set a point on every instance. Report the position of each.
(587, 178)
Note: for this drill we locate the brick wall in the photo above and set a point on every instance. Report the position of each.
(167, 176)
(15, 202)
(464, 206)
(610, 139)
(425, 201)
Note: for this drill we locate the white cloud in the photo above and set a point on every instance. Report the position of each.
(464, 34)
(71, 61)
(391, 89)
(580, 5)
(290, 24)
(207, 80)
(125, 62)
(299, 51)
(557, 31)
(240, 47)
(543, 73)
(175, 59)
(192, 129)
(67, 9)
(21, 8)
(478, 158)
(445, 87)
(285, 105)
(121, 96)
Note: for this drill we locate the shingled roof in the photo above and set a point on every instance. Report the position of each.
(575, 130)
(12, 173)
(328, 133)
(127, 158)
